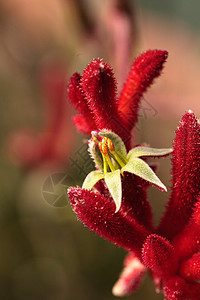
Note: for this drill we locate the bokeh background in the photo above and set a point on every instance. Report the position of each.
(45, 253)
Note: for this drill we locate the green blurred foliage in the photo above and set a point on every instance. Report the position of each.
(178, 10)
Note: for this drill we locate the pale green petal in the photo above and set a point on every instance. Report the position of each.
(117, 141)
(94, 154)
(140, 168)
(146, 151)
(113, 182)
(91, 179)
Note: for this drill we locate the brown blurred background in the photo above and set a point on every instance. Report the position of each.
(44, 252)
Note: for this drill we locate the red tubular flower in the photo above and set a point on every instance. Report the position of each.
(94, 94)
(176, 264)
(190, 269)
(135, 200)
(99, 85)
(158, 256)
(187, 242)
(145, 68)
(98, 213)
(170, 252)
(176, 288)
(186, 177)
(85, 121)
(195, 291)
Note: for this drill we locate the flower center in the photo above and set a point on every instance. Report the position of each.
(112, 159)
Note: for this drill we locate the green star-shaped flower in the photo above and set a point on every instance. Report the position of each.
(115, 161)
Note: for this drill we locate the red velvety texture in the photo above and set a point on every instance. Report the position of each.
(96, 89)
(134, 200)
(82, 125)
(98, 214)
(186, 177)
(194, 291)
(99, 85)
(85, 122)
(171, 251)
(144, 70)
(190, 269)
(158, 255)
(165, 260)
(187, 242)
(176, 288)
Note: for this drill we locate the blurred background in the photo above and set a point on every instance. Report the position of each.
(45, 253)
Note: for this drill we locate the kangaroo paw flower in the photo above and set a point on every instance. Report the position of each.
(115, 161)
(113, 199)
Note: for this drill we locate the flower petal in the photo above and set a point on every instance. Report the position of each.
(146, 151)
(91, 179)
(98, 213)
(140, 168)
(114, 184)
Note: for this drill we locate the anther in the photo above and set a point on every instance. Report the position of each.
(103, 148)
(111, 146)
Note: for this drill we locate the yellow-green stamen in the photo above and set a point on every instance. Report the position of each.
(105, 165)
(96, 139)
(118, 159)
(122, 157)
(112, 168)
(108, 151)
